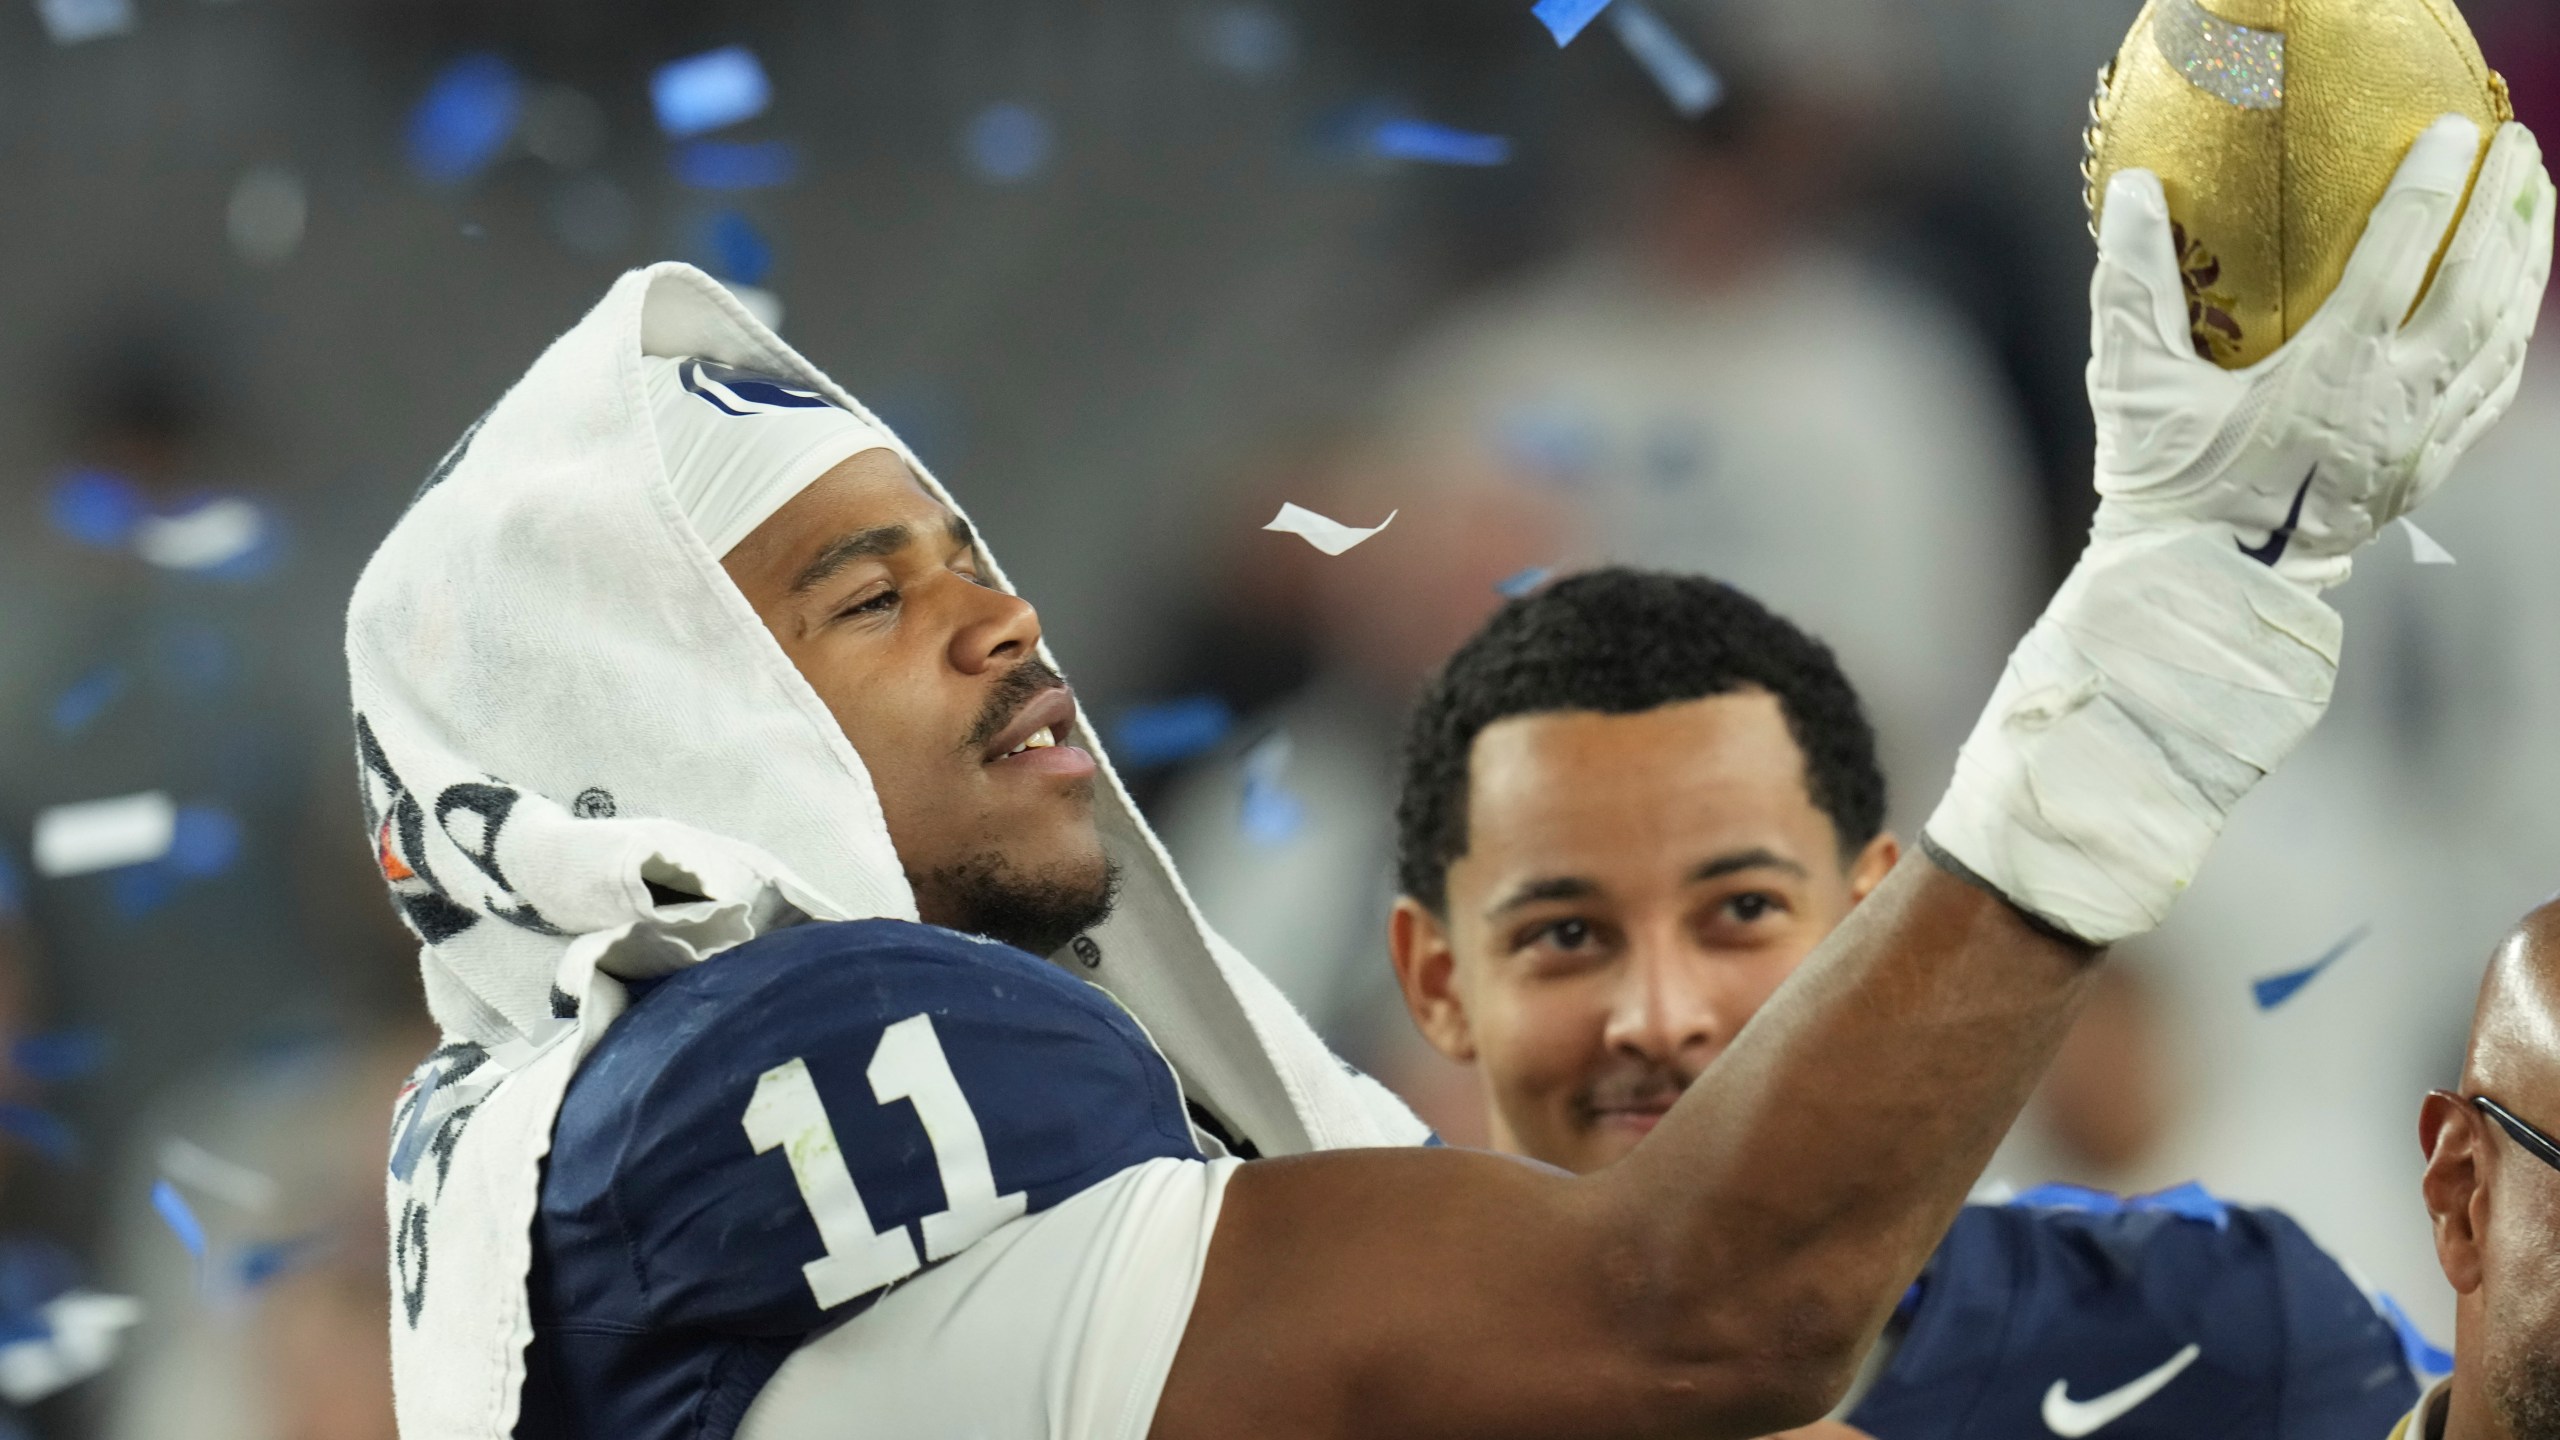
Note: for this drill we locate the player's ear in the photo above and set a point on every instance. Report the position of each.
(1427, 974)
(2449, 1132)
(1873, 864)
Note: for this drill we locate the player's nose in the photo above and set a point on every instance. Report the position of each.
(995, 630)
(1665, 1009)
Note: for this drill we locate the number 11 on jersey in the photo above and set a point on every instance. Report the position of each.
(908, 1065)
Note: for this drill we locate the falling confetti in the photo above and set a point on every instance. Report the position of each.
(77, 1335)
(1566, 18)
(45, 1131)
(211, 536)
(70, 22)
(94, 835)
(179, 1216)
(98, 508)
(740, 252)
(2277, 989)
(1689, 83)
(229, 1181)
(1008, 143)
(463, 123)
(1171, 732)
(735, 164)
(59, 1056)
(706, 92)
(204, 843)
(267, 214)
(1271, 815)
(263, 1265)
(1330, 536)
(86, 699)
(1421, 140)
(2424, 547)
(1526, 583)
(1246, 39)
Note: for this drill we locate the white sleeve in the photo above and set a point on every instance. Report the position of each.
(1060, 1326)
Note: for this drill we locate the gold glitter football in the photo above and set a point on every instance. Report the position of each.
(2274, 126)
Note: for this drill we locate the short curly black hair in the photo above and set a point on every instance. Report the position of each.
(1621, 641)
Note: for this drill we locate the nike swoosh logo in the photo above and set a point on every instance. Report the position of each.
(2072, 1419)
(2273, 551)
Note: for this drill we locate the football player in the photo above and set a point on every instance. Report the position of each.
(728, 787)
(1610, 860)
(2492, 1189)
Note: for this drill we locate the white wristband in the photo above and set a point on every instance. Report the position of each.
(2169, 673)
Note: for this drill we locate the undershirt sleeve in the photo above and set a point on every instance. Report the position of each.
(1060, 1326)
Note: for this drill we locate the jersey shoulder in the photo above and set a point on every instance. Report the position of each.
(767, 1139)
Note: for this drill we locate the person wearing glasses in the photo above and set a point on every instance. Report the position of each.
(2493, 1189)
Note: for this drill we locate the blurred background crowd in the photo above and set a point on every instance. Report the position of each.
(1129, 275)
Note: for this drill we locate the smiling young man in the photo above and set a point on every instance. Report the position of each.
(1613, 855)
(690, 741)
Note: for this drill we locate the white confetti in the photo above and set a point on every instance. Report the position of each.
(225, 1180)
(71, 21)
(95, 835)
(210, 535)
(1330, 536)
(2423, 547)
(268, 211)
(84, 1331)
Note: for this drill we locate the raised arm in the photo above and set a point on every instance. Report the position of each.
(1724, 1278)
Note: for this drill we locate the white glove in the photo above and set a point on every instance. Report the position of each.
(2381, 409)
(2190, 652)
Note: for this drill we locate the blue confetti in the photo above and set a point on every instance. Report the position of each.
(59, 1055)
(1566, 18)
(180, 1217)
(1174, 731)
(98, 508)
(1556, 442)
(263, 1265)
(742, 254)
(2277, 989)
(1246, 39)
(42, 1130)
(735, 164)
(705, 92)
(464, 121)
(1424, 141)
(78, 707)
(13, 887)
(207, 842)
(1689, 83)
(1526, 583)
(2425, 1358)
(1008, 143)
(1272, 816)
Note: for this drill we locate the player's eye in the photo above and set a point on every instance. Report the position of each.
(1752, 905)
(880, 604)
(1568, 935)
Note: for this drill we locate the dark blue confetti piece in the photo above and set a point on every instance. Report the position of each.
(1526, 583)
(735, 164)
(1565, 19)
(60, 1055)
(1434, 144)
(1171, 732)
(13, 887)
(138, 890)
(47, 1133)
(2277, 989)
(1271, 815)
(98, 508)
(206, 843)
(464, 121)
(740, 253)
(2426, 1359)
(179, 1216)
(263, 1265)
(705, 92)
(17, 1327)
(1688, 82)
(79, 705)
(1008, 143)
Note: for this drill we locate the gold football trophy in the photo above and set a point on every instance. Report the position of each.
(2274, 126)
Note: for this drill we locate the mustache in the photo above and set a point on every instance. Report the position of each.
(1019, 687)
(1632, 1086)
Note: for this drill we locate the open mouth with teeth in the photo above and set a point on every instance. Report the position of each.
(1040, 739)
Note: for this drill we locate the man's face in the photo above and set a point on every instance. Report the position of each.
(1634, 888)
(874, 590)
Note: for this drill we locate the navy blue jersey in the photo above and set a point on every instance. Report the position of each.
(2170, 1317)
(766, 1141)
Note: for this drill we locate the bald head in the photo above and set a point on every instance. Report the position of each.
(2515, 1036)
(2496, 1204)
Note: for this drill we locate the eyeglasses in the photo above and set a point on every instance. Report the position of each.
(2541, 1146)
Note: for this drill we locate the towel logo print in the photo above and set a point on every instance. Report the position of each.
(744, 392)
(470, 816)
(423, 1130)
